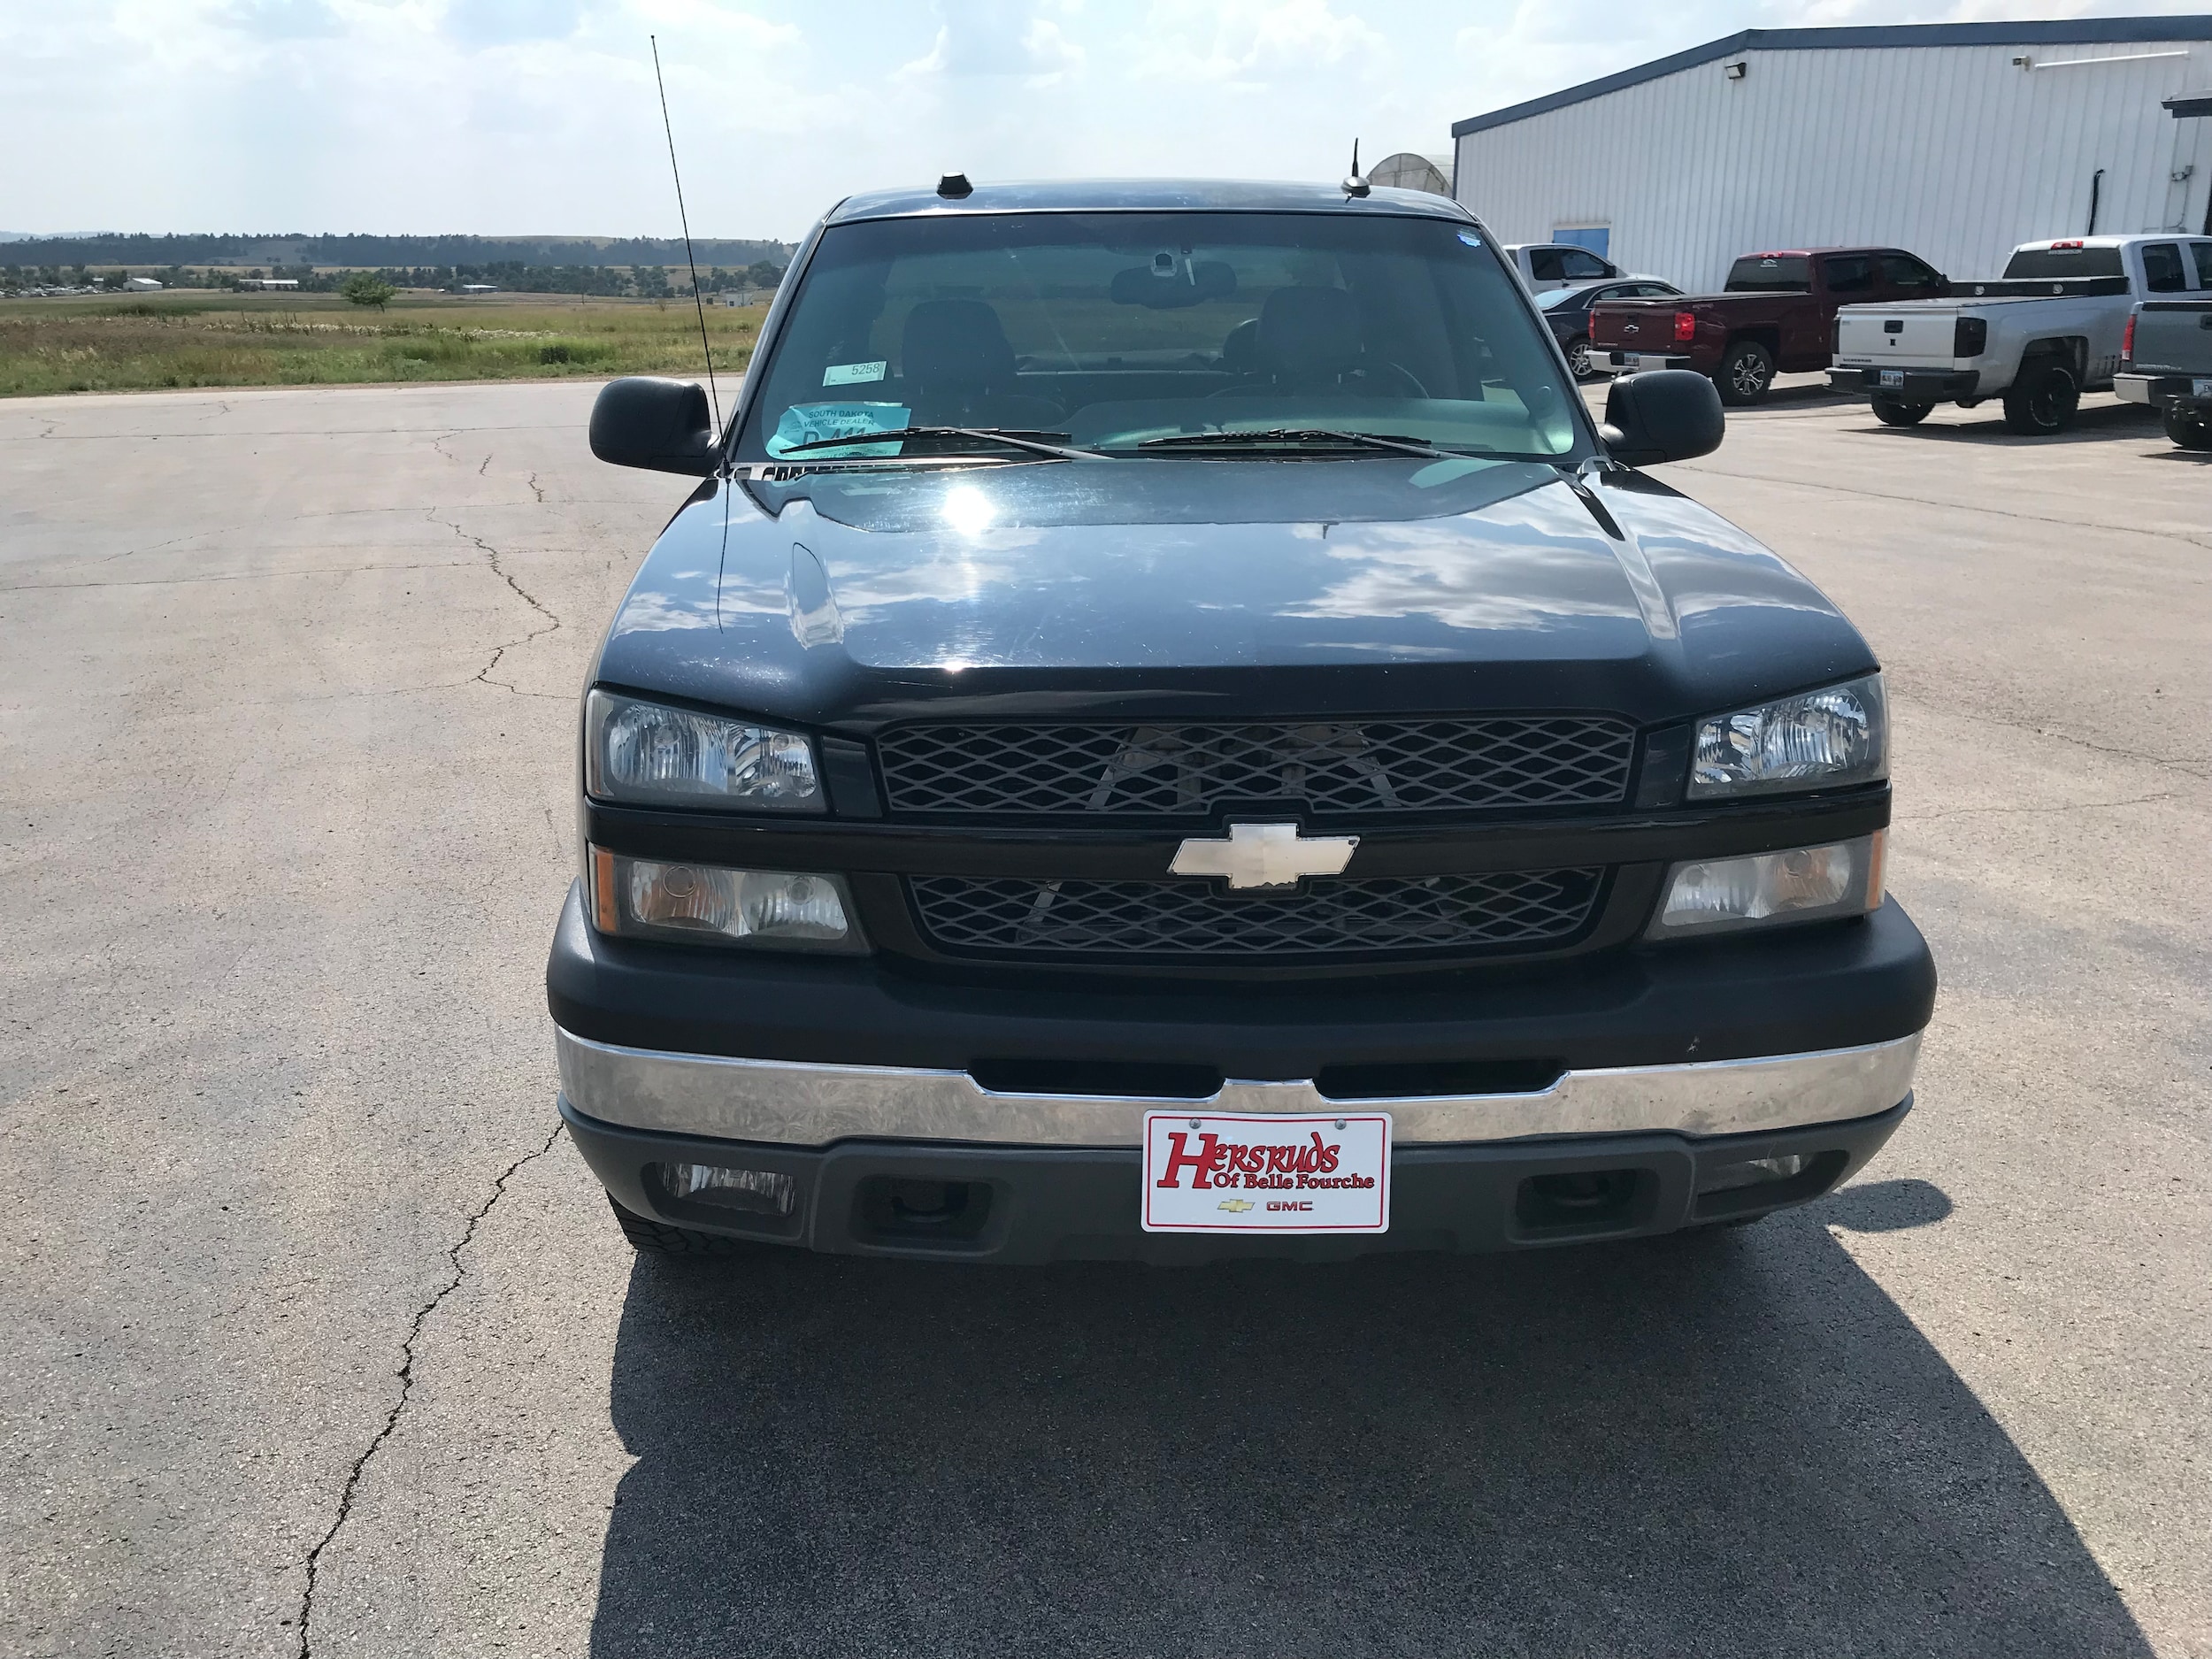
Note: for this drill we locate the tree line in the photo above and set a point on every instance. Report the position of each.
(650, 281)
(384, 252)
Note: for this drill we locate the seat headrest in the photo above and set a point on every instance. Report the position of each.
(1310, 331)
(954, 343)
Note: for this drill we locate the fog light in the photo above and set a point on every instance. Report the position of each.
(780, 908)
(759, 1192)
(1751, 1173)
(1802, 885)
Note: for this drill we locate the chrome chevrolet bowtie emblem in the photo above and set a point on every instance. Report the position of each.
(1264, 856)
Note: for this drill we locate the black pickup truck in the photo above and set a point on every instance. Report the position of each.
(1166, 730)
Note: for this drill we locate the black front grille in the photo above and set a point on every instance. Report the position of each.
(1340, 769)
(1524, 909)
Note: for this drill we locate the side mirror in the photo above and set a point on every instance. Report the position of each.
(1662, 415)
(641, 420)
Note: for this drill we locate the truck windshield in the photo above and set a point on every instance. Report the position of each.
(1770, 273)
(2040, 263)
(1107, 330)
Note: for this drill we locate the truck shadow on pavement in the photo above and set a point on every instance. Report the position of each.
(1719, 1444)
(1985, 423)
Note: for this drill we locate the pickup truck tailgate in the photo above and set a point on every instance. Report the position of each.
(1633, 325)
(1918, 333)
(2174, 337)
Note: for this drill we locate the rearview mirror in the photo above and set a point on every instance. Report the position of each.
(1662, 415)
(661, 425)
(1165, 285)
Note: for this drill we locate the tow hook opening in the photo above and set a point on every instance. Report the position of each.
(1579, 1201)
(909, 1211)
(1744, 1184)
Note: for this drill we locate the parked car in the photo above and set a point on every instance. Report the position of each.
(1165, 729)
(1545, 265)
(2166, 360)
(2038, 337)
(1774, 315)
(1567, 310)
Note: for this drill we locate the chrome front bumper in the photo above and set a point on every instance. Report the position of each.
(798, 1104)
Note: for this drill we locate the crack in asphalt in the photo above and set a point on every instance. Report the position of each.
(305, 1621)
(536, 490)
(552, 622)
(2076, 806)
(2167, 762)
(1956, 506)
(133, 552)
(236, 576)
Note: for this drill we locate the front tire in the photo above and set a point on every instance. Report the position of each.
(2043, 400)
(648, 1237)
(2190, 429)
(1892, 411)
(1578, 358)
(1745, 373)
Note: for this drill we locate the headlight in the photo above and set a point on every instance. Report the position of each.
(781, 909)
(1805, 883)
(1820, 740)
(654, 754)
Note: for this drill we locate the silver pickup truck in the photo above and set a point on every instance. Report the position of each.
(2038, 337)
(2166, 361)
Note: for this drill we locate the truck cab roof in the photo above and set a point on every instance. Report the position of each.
(1144, 195)
(2045, 244)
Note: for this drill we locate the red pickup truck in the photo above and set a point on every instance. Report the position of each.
(1776, 314)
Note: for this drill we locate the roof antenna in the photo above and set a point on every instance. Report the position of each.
(684, 219)
(1355, 181)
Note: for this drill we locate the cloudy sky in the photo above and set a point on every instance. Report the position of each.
(521, 116)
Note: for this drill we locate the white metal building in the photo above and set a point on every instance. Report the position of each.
(1953, 140)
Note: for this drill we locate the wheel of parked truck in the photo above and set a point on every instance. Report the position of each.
(1578, 356)
(2043, 400)
(1744, 373)
(2189, 428)
(658, 1238)
(1894, 411)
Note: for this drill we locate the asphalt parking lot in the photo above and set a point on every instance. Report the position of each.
(320, 1338)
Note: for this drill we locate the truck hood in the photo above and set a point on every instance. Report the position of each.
(1243, 588)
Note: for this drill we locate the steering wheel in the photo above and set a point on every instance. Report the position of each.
(1406, 379)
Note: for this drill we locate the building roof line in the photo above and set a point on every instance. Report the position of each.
(2072, 32)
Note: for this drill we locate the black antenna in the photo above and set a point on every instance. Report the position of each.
(684, 219)
(1356, 181)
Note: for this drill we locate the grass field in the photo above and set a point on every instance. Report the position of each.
(141, 342)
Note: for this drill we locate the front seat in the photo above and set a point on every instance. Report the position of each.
(1309, 338)
(1311, 341)
(958, 369)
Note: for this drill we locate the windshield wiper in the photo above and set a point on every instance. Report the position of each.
(1301, 434)
(1034, 443)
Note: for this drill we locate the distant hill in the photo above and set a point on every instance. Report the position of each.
(370, 252)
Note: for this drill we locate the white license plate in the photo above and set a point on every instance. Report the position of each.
(2200, 388)
(1894, 377)
(1238, 1172)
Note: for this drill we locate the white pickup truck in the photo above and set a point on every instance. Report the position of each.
(2038, 337)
